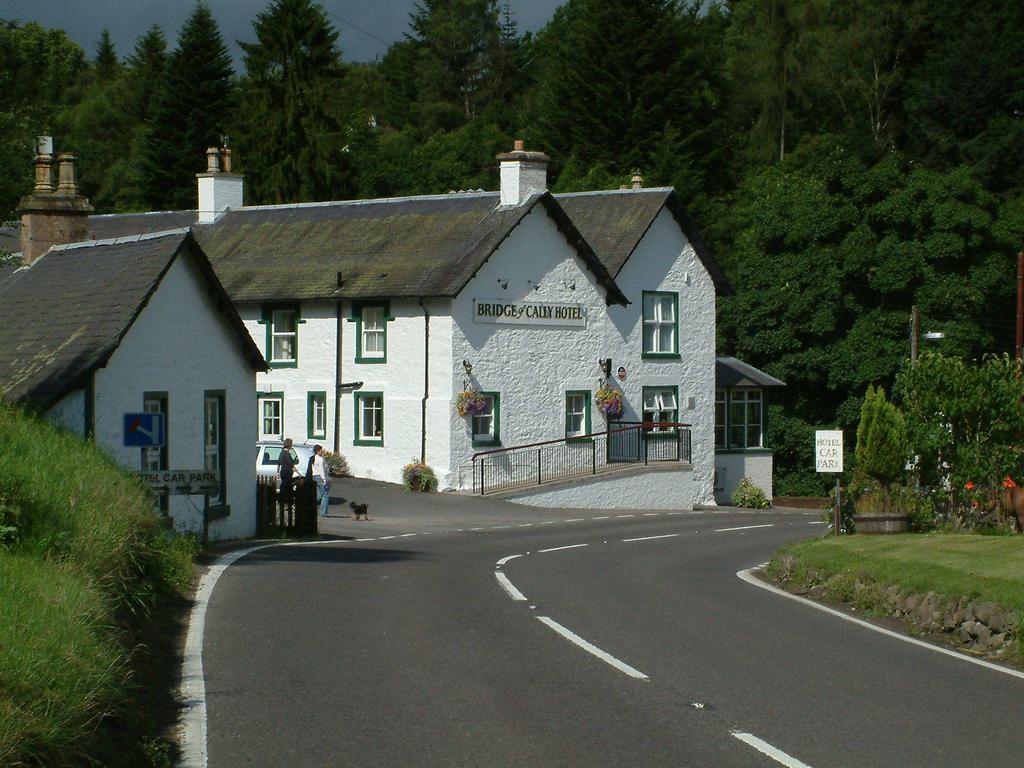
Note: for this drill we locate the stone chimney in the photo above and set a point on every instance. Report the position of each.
(52, 216)
(522, 174)
(219, 188)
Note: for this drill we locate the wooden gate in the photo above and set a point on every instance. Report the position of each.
(291, 511)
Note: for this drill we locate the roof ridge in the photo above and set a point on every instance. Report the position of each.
(612, 191)
(142, 213)
(118, 240)
(362, 201)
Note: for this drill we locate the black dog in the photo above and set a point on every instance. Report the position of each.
(359, 509)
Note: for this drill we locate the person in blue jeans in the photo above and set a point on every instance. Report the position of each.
(323, 483)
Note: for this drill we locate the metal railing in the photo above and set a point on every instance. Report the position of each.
(537, 463)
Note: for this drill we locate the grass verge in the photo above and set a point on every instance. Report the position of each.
(90, 593)
(940, 584)
(988, 568)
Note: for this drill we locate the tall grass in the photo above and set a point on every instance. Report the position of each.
(82, 563)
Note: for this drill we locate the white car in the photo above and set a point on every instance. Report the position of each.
(267, 454)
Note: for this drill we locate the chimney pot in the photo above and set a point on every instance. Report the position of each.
(44, 174)
(44, 145)
(67, 184)
(212, 160)
(518, 146)
(637, 180)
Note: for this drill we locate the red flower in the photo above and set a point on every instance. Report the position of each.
(1008, 482)
(969, 485)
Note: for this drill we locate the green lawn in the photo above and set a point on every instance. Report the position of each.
(989, 568)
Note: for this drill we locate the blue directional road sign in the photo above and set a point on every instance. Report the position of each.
(145, 430)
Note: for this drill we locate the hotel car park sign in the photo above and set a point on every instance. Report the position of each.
(501, 312)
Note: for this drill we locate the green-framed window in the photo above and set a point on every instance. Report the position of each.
(486, 425)
(155, 459)
(282, 322)
(369, 418)
(214, 442)
(316, 415)
(577, 413)
(740, 419)
(660, 322)
(271, 415)
(371, 319)
(661, 404)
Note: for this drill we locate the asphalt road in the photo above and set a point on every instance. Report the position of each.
(406, 650)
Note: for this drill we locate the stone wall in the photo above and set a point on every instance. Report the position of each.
(984, 628)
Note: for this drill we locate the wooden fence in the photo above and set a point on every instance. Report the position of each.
(291, 511)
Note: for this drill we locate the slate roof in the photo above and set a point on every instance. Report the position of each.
(124, 224)
(10, 238)
(401, 247)
(66, 314)
(615, 221)
(730, 372)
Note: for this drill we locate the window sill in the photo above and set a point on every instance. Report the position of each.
(274, 365)
(486, 443)
(660, 356)
(371, 360)
(369, 443)
(320, 436)
(748, 451)
(579, 439)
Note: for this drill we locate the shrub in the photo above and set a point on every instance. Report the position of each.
(881, 450)
(749, 495)
(337, 465)
(417, 476)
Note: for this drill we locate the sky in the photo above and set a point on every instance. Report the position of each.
(366, 27)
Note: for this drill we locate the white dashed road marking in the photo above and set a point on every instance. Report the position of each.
(765, 748)
(558, 549)
(607, 658)
(648, 538)
(743, 528)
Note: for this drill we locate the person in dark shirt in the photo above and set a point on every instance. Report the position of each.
(286, 469)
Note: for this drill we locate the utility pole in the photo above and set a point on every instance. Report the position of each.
(915, 332)
(1020, 305)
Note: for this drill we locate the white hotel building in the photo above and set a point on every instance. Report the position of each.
(373, 316)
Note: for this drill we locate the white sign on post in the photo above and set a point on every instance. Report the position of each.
(828, 450)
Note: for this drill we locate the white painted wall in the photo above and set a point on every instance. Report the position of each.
(733, 467)
(401, 380)
(181, 345)
(69, 413)
(665, 489)
(531, 366)
(666, 261)
(315, 371)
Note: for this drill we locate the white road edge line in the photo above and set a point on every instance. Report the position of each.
(747, 576)
(605, 657)
(193, 683)
(509, 587)
(506, 559)
(575, 520)
(744, 528)
(648, 538)
(559, 549)
(603, 517)
(767, 749)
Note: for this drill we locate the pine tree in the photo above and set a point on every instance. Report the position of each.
(191, 109)
(292, 138)
(106, 63)
(881, 441)
(457, 42)
(615, 75)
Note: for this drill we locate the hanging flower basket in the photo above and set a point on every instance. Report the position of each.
(609, 400)
(469, 402)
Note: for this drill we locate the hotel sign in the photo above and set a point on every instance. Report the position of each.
(499, 312)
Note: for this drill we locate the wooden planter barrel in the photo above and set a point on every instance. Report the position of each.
(881, 524)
